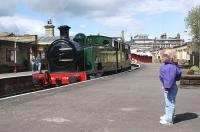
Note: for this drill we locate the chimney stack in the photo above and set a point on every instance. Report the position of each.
(49, 28)
(64, 32)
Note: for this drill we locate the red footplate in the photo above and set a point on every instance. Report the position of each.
(59, 78)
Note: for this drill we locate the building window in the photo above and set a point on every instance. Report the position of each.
(10, 55)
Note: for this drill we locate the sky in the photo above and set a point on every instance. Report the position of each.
(105, 17)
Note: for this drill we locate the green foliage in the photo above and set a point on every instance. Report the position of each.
(193, 22)
(190, 72)
(193, 69)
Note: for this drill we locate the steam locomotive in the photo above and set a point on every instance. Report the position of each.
(78, 59)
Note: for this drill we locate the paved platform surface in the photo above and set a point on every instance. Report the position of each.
(18, 74)
(9, 75)
(129, 102)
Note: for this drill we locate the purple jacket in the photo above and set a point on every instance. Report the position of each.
(169, 74)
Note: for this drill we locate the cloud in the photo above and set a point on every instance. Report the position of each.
(95, 8)
(162, 6)
(109, 13)
(105, 8)
(112, 14)
(82, 26)
(21, 25)
(8, 7)
(122, 22)
(89, 8)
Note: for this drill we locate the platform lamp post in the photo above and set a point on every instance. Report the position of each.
(15, 54)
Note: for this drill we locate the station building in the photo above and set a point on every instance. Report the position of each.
(147, 49)
(15, 49)
(16, 52)
(184, 55)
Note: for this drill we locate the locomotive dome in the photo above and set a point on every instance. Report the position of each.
(80, 38)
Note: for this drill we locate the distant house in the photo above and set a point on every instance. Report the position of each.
(168, 42)
(182, 53)
(193, 51)
(143, 42)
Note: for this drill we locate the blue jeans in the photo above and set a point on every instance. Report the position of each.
(33, 67)
(39, 66)
(170, 103)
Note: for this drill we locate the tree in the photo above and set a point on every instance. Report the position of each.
(193, 22)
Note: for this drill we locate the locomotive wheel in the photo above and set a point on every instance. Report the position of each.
(98, 75)
(74, 79)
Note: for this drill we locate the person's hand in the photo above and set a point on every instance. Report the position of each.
(165, 90)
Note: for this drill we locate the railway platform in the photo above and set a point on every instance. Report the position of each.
(126, 102)
(15, 83)
(18, 74)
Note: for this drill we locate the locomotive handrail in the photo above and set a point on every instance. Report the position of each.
(63, 49)
(66, 60)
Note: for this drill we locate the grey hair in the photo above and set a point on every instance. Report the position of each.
(169, 54)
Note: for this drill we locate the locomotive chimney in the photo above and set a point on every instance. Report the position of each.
(64, 32)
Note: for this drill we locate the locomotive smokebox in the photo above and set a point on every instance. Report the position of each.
(64, 32)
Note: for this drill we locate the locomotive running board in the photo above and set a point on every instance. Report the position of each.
(63, 49)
